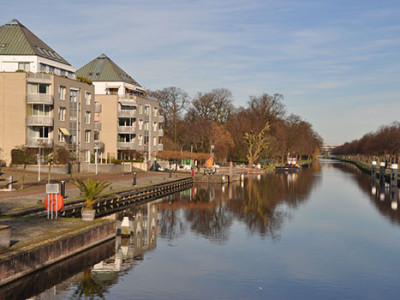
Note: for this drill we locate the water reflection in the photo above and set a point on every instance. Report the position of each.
(382, 196)
(261, 203)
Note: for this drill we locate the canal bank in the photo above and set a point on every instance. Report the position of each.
(33, 243)
(38, 243)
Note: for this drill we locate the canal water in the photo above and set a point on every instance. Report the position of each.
(325, 233)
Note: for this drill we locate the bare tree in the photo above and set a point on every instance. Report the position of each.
(256, 143)
(173, 101)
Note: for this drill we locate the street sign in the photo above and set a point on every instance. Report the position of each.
(52, 188)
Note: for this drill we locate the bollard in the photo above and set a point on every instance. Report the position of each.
(134, 178)
(63, 188)
(170, 173)
(382, 172)
(373, 168)
(393, 175)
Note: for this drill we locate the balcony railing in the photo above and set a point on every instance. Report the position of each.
(127, 113)
(97, 107)
(39, 77)
(97, 126)
(160, 147)
(39, 121)
(160, 132)
(35, 142)
(39, 99)
(126, 146)
(126, 129)
(98, 145)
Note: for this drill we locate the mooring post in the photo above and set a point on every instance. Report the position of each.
(134, 178)
(63, 188)
(373, 168)
(382, 173)
(393, 175)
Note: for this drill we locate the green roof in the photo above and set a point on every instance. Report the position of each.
(104, 69)
(16, 39)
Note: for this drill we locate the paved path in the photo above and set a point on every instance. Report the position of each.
(34, 193)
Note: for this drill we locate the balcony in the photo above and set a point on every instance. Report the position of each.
(39, 99)
(39, 78)
(97, 107)
(127, 113)
(97, 126)
(126, 146)
(98, 145)
(39, 121)
(160, 132)
(126, 129)
(36, 142)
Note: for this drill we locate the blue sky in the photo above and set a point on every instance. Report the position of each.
(336, 62)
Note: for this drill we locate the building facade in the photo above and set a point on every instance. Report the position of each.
(41, 102)
(129, 120)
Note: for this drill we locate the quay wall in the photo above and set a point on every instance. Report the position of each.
(17, 263)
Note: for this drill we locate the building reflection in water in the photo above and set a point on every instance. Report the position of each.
(208, 210)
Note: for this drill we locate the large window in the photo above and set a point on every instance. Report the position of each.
(140, 124)
(39, 110)
(87, 117)
(73, 95)
(88, 98)
(87, 136)
(61, 113)
(25, 66)
(62, 92)
(87, 156)
(38, 88)
(147, 110)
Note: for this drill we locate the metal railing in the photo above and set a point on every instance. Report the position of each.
(39, 121)
(126, 129)
(36, 142)
(127, 113)
(126, 146)
(97, 126)
(97, 107)
(40, 99)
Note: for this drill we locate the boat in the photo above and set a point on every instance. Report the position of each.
(291, 166)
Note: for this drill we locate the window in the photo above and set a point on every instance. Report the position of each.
(88, 98)
(146, 140)
(61, 113)
(154, 126)
(25, 66)
(44, 88)
(87, 136)
(87, 156)
(146, 125)
(155, 111)
(140, 109)
(73, 95)
(147, 110)
(42, 68)
(62, 92)
(140, 140)
(51, 69)
(87, 117)
(62, 72)
(140, 124)
(154, 141)
(61, 137)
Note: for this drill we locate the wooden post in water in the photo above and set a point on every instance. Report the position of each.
(382, 170)
(393, 175)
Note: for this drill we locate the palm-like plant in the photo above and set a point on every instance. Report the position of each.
(91, 189)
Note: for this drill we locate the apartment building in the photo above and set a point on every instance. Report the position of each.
(41, 102)
(129, 120)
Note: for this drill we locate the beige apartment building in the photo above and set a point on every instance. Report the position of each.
(129, 120)
(41, 102)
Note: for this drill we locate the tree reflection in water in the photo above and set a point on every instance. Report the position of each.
(261, 204)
